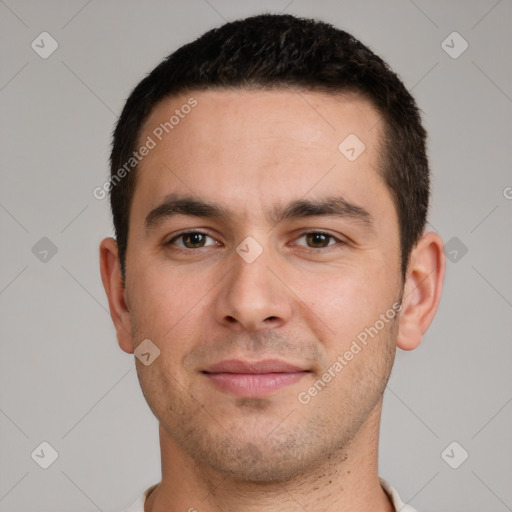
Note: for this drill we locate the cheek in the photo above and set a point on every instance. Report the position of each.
(165, 294)
(346, 301)
(165, 390)
(168, 307)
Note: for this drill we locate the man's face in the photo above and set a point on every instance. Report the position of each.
(299, 291)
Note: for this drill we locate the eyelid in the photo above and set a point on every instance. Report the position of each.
(339, 240)
(302, 233)
(180, 234)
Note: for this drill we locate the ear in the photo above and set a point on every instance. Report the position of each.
(111, 277)
(422, 290)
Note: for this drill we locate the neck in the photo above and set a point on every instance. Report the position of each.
(345, 480)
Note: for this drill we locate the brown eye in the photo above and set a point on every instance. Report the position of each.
(192, 240)
(318, 240)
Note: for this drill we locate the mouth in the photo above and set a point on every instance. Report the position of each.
(252, 379)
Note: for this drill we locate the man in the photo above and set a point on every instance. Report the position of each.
(269, 188)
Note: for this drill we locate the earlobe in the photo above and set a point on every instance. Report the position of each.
(111, 277)
(422, 291)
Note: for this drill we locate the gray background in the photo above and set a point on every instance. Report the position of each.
(63, 378)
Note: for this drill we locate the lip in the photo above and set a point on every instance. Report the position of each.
(253, 378)
(253, 367)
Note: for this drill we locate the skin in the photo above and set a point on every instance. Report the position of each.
(250, 152)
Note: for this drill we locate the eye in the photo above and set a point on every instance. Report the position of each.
(317, 240)
(192, 240)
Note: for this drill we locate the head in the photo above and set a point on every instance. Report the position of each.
(277, 212)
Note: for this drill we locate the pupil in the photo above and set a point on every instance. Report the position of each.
(195, 238)
(317, 239)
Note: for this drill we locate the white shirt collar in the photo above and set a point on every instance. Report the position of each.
(399, 505)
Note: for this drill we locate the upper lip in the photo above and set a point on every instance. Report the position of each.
(262, 366)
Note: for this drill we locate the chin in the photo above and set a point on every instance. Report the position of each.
(260, 460)
(251, 463)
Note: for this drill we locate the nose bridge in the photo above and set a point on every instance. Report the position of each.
(252, 296)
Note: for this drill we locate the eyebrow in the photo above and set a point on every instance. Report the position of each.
(173, 205)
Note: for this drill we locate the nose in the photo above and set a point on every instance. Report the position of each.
(253, 296)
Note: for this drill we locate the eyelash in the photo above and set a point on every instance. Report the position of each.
(181, 235)
(303, 234)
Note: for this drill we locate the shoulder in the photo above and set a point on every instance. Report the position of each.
(138, 506)
(399, 505)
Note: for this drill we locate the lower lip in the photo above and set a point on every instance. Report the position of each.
(253, 384)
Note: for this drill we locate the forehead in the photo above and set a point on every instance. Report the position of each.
(255, 148)
(311, 118)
